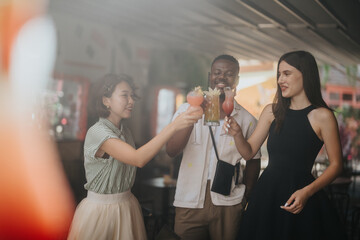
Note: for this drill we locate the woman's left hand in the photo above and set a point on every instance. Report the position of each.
(231, 127)
(296, 202)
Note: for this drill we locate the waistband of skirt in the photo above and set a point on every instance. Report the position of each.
(108, 198)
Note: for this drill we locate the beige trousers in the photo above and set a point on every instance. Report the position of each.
(210, 222)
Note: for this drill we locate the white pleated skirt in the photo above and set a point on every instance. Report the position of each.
(108, 217)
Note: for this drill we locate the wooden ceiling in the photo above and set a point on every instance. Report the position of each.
(248, 29)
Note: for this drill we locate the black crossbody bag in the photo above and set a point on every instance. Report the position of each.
(224, 173)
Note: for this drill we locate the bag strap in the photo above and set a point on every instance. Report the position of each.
(213, 140)
(237, 166)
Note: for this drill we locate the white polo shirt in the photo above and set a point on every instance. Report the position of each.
(194, 168)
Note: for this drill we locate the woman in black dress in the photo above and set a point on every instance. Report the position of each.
(287, 202)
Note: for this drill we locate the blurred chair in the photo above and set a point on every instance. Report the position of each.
(152, 219)
(340, 184)
(355, 222)
(355, 171)
(341, 202)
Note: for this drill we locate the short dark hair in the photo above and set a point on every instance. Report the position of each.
(105, 88)
(228, 58)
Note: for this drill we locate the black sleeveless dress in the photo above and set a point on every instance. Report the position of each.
(292, 153)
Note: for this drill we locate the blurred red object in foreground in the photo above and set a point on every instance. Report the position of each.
(36, 201)
(13, 15)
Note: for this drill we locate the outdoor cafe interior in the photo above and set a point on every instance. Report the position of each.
(167, 47)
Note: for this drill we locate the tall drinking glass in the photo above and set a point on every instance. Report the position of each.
(195, 98)
(212, 108)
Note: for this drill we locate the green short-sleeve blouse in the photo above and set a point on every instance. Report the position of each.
(106, 176)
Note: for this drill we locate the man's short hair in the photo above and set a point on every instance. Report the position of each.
(228, 58)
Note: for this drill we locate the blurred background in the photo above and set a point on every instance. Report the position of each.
(167, 46)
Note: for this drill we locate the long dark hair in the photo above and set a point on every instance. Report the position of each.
(306, 64)
(105, 88)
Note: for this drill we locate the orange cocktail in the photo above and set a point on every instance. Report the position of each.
(195, 97)
(194, 100)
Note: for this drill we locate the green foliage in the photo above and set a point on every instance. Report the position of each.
(348, 112)
(326, 70)
(351, 74)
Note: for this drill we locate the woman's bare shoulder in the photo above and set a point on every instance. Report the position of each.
(323, 115)
(267, 113)
(268, 107)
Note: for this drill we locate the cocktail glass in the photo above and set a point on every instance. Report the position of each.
(228, 104)
(195, 98)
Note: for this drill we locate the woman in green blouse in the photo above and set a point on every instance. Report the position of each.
(110, 210)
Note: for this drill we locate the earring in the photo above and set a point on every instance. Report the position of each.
(107, 107)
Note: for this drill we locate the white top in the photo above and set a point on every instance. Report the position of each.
(194, 168)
